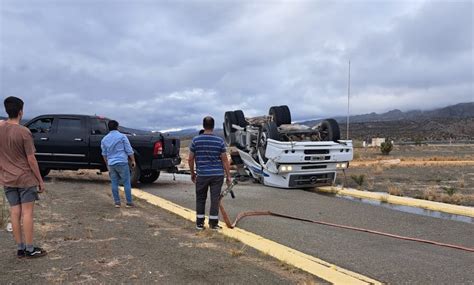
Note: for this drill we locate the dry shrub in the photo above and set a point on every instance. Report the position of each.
(431, 194)
(378, 169)
(394, 190)
(462, 182)
(370, 182)
(4, 212)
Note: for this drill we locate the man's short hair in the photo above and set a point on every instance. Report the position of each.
(113, 125)
(13, 106)
(208, 123)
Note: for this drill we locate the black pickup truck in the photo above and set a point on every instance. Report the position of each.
(72, 142)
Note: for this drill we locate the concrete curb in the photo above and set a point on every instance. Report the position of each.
(412, 202)
(310, 264)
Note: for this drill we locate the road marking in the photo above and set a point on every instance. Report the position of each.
(405, 201)
(308, 263)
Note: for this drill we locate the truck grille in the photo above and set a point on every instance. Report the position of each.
(301, 180)
(316, 151)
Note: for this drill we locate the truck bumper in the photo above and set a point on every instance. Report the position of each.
(165, 163)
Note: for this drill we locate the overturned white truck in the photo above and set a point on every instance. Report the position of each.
(281, 154)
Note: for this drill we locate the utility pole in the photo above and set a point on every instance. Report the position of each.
(348, 99)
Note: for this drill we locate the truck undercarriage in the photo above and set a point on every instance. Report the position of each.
(281, 154)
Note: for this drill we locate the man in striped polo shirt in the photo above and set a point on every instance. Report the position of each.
(209, 153)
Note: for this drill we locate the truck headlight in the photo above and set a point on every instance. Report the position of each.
(285, 168)
(342, 165)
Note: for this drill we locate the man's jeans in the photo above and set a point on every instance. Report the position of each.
(120, 173)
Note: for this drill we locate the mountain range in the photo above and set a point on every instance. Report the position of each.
(451, 122)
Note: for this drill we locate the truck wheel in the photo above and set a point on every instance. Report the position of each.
(269, 131)
(229, 120)
(329, 129)
(149, 176)
(240, 118)
(135, 174)
(281, 115)
(44, 172)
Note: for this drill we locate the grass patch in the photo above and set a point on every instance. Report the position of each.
(394, 190)
(238, 252)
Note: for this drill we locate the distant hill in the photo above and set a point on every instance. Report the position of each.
(458, 111)
(451, 122)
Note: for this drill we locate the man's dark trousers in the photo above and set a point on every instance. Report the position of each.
(203, 184)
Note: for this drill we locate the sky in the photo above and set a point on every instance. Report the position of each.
(165, 65)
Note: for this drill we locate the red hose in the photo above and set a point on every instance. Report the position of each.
(242, 215)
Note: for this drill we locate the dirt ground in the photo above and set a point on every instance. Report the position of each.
(90, 241)
(427, 172)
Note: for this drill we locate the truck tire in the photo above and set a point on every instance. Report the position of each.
(269, 131)
(229, 132)
(149, 176)
(281, 115)
(44, 172)
(240, 118)
(286, 114)
(330, 130)
(135, 174)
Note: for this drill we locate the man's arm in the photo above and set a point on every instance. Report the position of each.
(33, 163)
(129, 151)
(226, 165)
(191, 166)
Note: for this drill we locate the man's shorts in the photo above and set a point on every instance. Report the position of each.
(18, 196)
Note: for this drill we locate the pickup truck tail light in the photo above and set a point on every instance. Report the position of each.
(158, 149)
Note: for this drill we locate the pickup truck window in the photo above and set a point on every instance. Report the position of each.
(69, 125)
(42, 125)
(98, 127)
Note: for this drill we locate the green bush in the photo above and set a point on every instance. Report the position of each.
(358, 179)
(450, 190)
(386, 147)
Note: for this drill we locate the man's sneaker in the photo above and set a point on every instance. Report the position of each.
(215, 227)
(20, 253)
(37, 252)
(199, 227)
(129, 205)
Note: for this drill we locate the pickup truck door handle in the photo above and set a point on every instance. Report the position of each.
(44, 139)
(78, 139)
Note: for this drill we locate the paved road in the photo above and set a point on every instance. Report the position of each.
(383, 258)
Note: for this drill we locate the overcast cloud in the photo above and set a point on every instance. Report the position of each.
(164, 65)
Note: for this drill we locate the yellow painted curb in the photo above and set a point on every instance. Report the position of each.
(310, 264)
(405, 201)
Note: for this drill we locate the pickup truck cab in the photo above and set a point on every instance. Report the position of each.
(72, 142)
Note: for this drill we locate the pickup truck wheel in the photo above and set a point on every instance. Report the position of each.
(281, 115)
(329, 129)
(149, 176)
(135, 174)
(44, 172)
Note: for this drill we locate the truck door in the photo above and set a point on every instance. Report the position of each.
(98, 130)
(70, 141)
(41, 129)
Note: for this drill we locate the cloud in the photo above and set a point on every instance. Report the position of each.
(168, 64)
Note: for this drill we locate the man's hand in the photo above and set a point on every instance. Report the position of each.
(193, 177)
(228, 180)
(133, 164)
(41, 188)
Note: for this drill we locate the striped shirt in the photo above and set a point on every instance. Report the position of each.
(207, 150)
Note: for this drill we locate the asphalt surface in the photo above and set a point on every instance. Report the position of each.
(383, 258)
